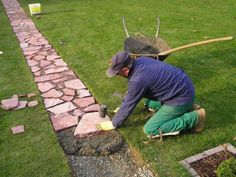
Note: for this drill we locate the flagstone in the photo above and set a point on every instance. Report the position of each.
(31, 48)
(67, 98)
(74, 84)
(45, 53)
(60, 79)
(45, 86)
(30, 95)
(38, 73)
(44, 63)
(67, 91)
(83, 102)
(32, 62)
(63, 121)
(62, 108)
(87, 124)
(49, 102)
(56, 70)
(78, 113)
(10, 103)
(60, 62)
(92, 108)
(52, 94)
(38, 57)
(24, 45)
(52, 57)
(35, 69)
(18, 129)
(32, 103)
(83, 93)
(47, 77)
(21, 105)
(29, 52)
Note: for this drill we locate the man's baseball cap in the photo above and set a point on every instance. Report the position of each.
(119, 61)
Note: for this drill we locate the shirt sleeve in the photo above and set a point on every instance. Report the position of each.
(136, 91)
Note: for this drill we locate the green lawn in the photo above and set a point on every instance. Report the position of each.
(35, 152)
(87, 33)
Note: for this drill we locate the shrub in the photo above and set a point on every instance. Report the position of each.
(227, 168)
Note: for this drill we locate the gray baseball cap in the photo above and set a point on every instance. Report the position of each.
(119, 61)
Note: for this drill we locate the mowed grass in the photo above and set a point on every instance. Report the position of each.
(87, 33)
(35, 152)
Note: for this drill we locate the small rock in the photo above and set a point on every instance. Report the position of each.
(1, 52)
(30, 95)
(32, 103)
(10, 103)
(21, 105)
(18, 129)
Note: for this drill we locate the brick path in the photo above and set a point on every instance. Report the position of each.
(65, 96)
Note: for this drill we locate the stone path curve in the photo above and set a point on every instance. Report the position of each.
(65, 97)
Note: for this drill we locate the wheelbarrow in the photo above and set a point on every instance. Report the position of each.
(156, 47)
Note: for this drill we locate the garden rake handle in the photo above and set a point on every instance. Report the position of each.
(195, 44)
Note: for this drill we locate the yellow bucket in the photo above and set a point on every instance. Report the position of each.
(35, 9)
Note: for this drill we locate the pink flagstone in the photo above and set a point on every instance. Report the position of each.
(47, 77)
(45, 86)
(52, 94)
(30, 52)
(92, 108)
(62, 108)
(31, 48)
(83, 102)
(60, 62)
(87, 124)
(30, 95)
(45, 53)
(21, 105)
(10, 103)
(67, 91)
(49, 102)
(32, 62)
(83, 93)
(18, 129)
(67, 98)
(38, 57)
(38, 73)
(52, 57)
(35, 69)
(74, 84)
(64, 121)
(60, 80)
(44, 63)
(24, 45)
(78, 113)
(56, 70)
(32, 103)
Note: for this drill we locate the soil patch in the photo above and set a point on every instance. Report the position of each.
(206, 167)
(100, 144)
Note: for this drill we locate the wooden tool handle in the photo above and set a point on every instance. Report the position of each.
(196, 44)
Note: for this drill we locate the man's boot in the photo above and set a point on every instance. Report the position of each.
(201, 119)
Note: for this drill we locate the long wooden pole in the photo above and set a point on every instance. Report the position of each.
(196, 44)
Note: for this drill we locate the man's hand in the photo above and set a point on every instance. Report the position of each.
(107, 125)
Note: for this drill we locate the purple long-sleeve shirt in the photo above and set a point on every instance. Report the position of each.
(157, 81)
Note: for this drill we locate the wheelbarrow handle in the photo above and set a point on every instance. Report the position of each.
(196, 44)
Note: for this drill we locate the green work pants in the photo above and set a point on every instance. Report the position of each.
(170, 118)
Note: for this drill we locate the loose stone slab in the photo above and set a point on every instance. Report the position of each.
(87, 124)
(52, 94)
(30, 95)
(32, 103)
(84, 102)
(21, 105)
(10, 103)
(64, 121)
(75, 84)
(49, 102)
(45, 86)
(62, 108)
(18, 129)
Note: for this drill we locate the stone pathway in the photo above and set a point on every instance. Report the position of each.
(65, 96)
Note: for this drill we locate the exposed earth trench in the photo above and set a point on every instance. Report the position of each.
(103, 155)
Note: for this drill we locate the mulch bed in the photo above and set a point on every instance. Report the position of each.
(207, 166)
